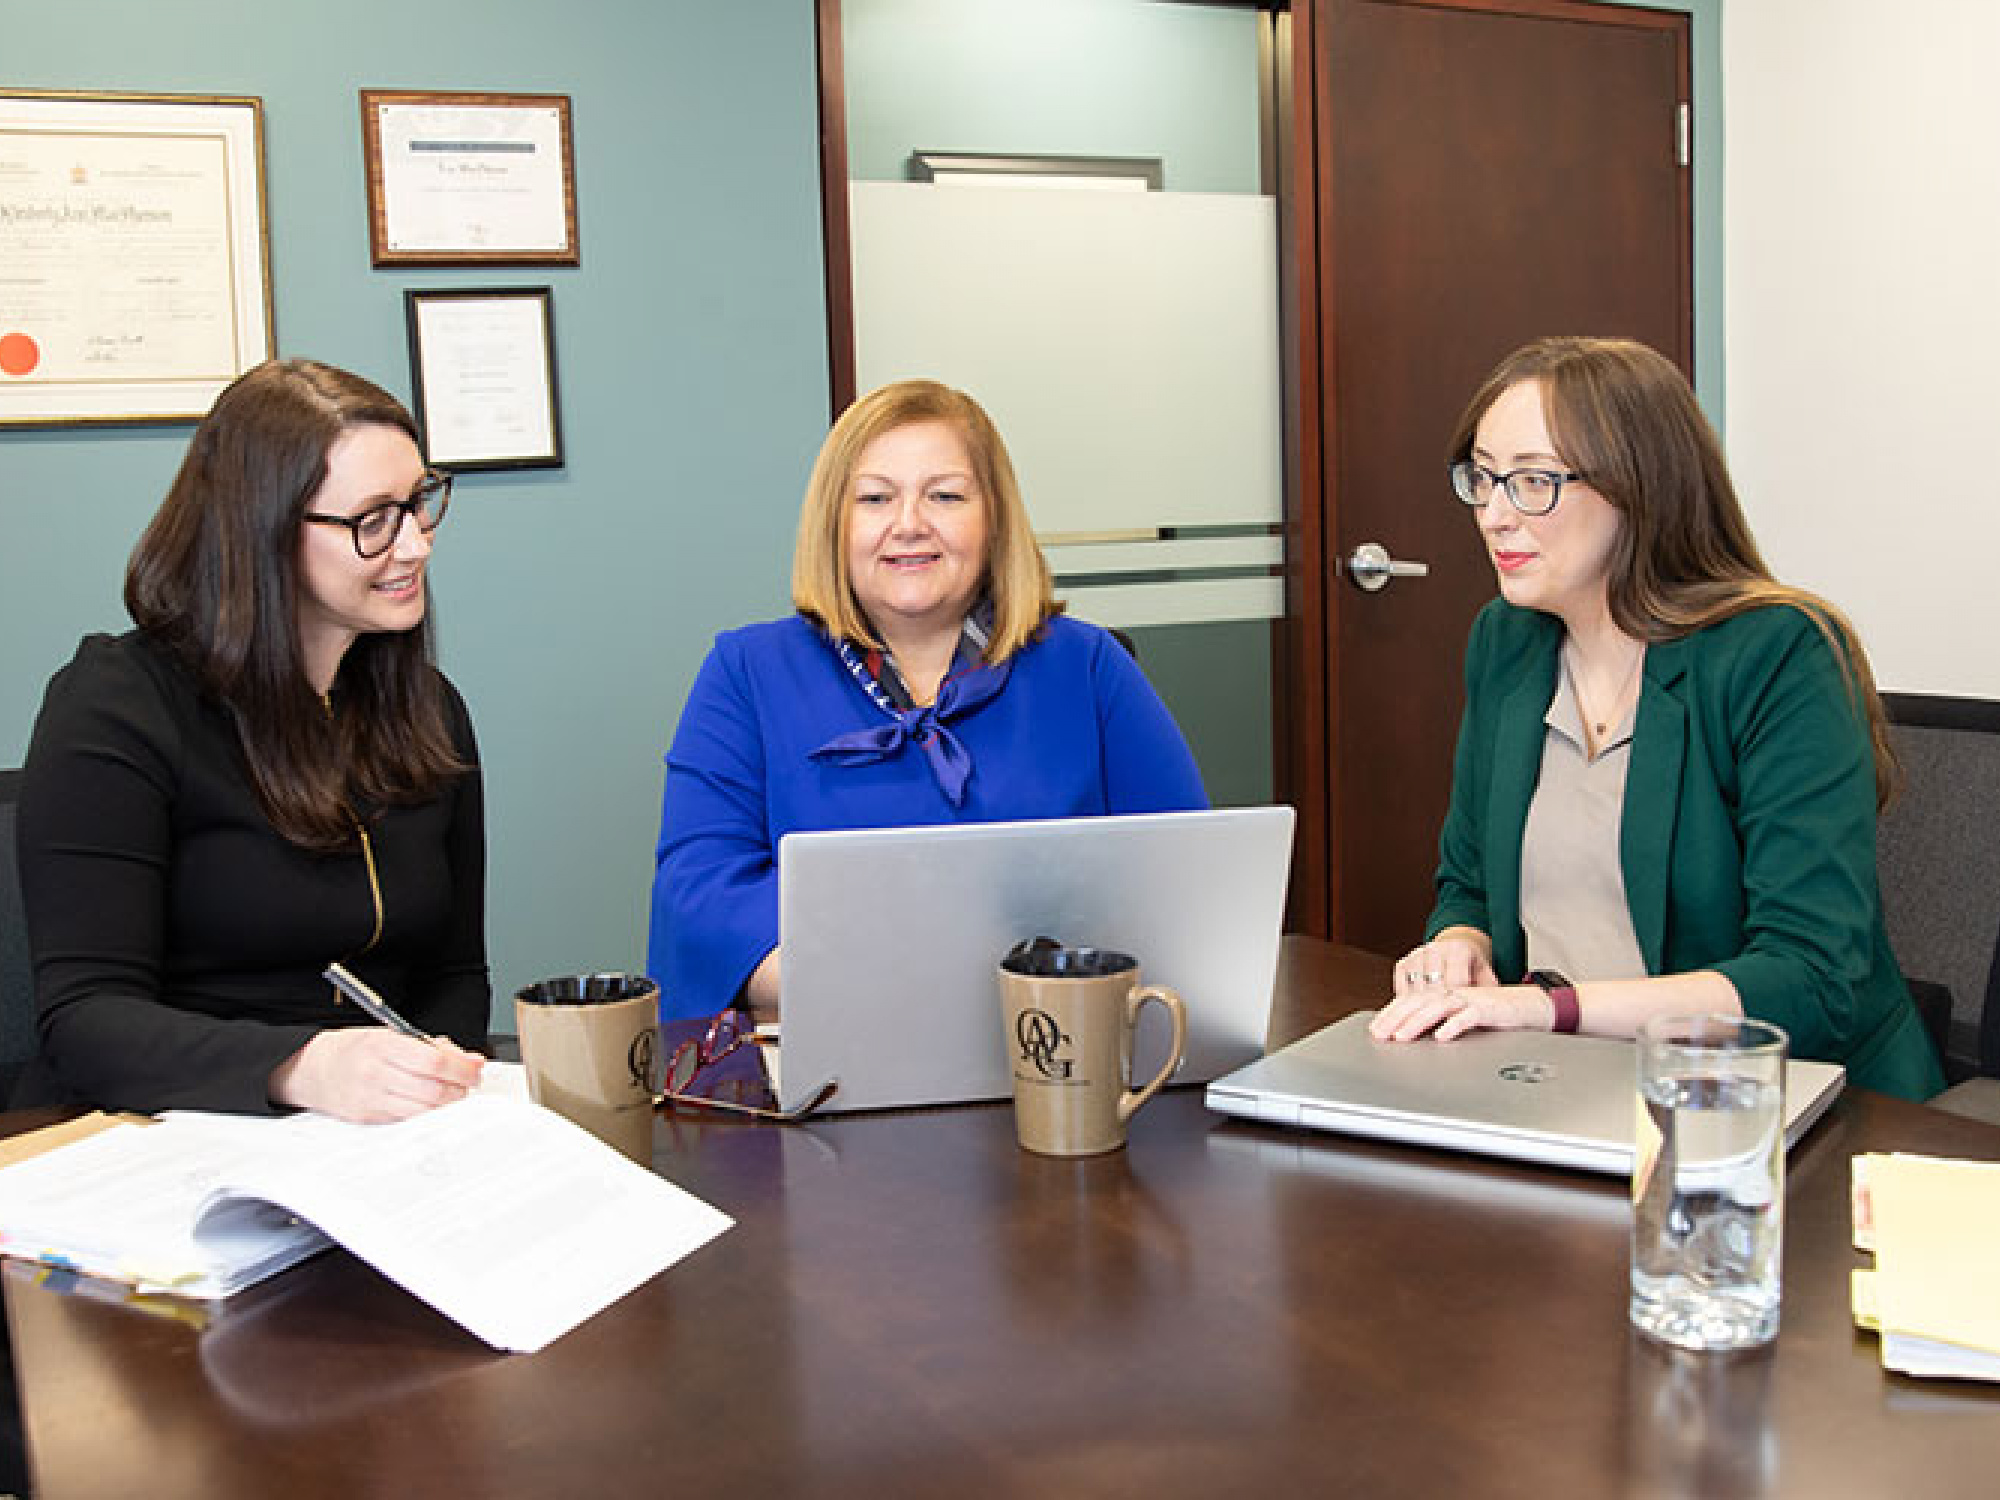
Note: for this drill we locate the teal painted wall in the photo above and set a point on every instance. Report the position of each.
(574, 604)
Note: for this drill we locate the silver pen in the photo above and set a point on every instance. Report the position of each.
(373, 1005)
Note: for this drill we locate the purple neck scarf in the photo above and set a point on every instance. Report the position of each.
(971, 682)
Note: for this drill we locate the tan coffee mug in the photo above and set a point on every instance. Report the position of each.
(589, 1043)
(1069, 1014)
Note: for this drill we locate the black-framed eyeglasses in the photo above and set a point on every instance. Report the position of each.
(375, 530)
(1533, 492)
(697, 1056)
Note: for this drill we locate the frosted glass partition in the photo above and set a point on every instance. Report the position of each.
(1127, 346)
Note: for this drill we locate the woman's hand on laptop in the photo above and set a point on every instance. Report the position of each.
(1456, 957)
(1446, 1012)
(1438, 982)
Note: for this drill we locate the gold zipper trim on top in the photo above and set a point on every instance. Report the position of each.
(374, 888)
(367, 856)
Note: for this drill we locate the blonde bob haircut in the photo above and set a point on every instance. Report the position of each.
(1017, 575)
(1624, 418)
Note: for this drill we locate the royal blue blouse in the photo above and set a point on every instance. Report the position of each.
(1075, 731)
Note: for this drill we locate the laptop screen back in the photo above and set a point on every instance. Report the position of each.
(892, 937)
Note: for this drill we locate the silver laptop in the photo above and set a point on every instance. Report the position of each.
(1527, 1095)
(892, 937)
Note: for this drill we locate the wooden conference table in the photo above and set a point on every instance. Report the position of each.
(911, 1305)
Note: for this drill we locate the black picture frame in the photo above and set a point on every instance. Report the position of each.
(483, 375)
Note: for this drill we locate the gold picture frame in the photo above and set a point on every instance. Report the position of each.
(135, 235)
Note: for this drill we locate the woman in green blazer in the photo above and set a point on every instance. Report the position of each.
(1670, 764)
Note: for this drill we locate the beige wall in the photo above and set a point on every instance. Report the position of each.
(1862, 214)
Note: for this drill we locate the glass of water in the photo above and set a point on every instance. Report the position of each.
(1708, 1181)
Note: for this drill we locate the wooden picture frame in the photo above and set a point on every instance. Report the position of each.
(469, 179)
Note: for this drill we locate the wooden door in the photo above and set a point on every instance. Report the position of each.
(1478, 173)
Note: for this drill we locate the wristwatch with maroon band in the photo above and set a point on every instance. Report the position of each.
(1562, 995)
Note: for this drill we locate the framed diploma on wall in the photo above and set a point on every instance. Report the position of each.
(134, 259)
(483, 362)
(469, 179)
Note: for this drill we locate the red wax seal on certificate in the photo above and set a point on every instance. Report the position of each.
(19, 354)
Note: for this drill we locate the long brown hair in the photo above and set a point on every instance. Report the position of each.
(1624, 417)
(1017, 575)
(215, 577)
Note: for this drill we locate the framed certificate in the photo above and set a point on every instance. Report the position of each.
(134, 262)
(484, 370)
(469, 179)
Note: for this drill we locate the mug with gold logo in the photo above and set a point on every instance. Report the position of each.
(1069, 1015)
(589, 1045)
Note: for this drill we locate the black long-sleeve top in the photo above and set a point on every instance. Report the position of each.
(178, 938)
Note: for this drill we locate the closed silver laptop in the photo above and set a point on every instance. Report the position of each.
(1527, 1095)
(892, 937)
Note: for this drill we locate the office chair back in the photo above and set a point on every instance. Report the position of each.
(1939, 861)
(17, 979)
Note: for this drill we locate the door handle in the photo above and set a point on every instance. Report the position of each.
(1371, 567)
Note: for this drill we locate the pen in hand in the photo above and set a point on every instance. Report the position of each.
(372, 1005)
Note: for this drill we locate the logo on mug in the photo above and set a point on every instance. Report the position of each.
(1039, 1036)
(639, 1058)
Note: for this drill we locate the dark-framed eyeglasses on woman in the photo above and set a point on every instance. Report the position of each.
(375, 530)
(1533, 492)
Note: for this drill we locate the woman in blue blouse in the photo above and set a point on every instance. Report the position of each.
(927, 677)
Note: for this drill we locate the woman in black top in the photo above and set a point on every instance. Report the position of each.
(268, 775)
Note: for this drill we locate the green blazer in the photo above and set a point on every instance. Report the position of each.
(1748, 835)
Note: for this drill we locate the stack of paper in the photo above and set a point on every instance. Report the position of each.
(500, 1214)
(1934, 1295)
(124, 1204)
